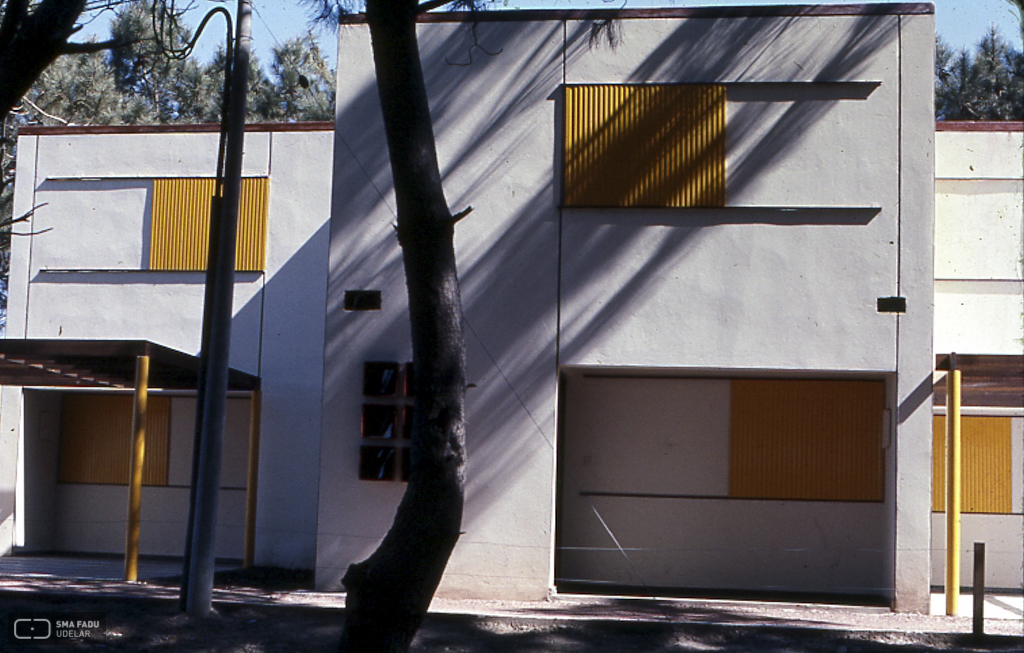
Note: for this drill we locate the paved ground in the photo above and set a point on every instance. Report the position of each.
(95, 567)
(526, 626)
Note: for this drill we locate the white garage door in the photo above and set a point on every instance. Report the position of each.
(722, 485)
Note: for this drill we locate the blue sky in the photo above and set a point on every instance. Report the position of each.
(961, 23)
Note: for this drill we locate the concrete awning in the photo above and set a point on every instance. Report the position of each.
(102, 364)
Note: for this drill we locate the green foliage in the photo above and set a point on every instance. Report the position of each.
(143, 70)
(143, 82)
(302, 81)
(986, 84)
(75, 89)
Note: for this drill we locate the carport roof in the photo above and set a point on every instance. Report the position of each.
(102, 364)
(986, 380)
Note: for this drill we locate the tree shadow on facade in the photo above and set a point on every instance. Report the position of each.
(498, 126)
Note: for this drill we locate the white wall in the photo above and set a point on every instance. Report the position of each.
(979, 307)
(752, 287)
(979, 242)
(84, 275)
(1002, 536)
(496, 158)
(787, 278)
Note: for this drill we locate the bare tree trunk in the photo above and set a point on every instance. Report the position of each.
(30, 41)
(388, 594)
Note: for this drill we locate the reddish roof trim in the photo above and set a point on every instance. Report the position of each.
(193, 128)
(501, 15)
(979, 126)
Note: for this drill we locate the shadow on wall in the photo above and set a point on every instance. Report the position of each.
(515, 300)
(289, 314)
(6, 505)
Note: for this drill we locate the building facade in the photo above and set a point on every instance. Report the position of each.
(698, 292)
(979, 315)
(102, 257)
(689, 255)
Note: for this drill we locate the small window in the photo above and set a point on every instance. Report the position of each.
(96, 439)
(363, 300)
(181, 224)
(379, 421)
(386, 423)
(380, 379)
(644, 145)
(377, 463)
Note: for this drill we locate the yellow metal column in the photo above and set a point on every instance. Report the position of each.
(252, 481)
(952, 487)
(131, 556)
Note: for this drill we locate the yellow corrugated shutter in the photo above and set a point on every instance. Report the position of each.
(181, 224)
(986, 464)
(96, 439)
(807, 439)
(651, 145)
(251, 248)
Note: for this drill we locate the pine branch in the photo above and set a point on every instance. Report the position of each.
(24, 217)
(461, 214)
(38, 109)
(90, 48)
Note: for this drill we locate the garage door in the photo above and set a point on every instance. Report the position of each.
(722, 485)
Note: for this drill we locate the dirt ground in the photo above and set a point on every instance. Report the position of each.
(153, 624)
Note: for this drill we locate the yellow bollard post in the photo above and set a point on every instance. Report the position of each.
(131, 556)
(952, 487)
(252, 481)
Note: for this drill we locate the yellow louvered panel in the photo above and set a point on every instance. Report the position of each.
(181, 224)
(803, 439)
(939, 463)
(985, 468)
(158, 441)
(251, 249)
(95, 441)
(644, 146)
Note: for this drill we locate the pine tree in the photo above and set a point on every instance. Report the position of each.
(987, 84)
(303, 82)
(75, 89)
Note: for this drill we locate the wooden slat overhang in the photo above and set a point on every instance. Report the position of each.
(102, 364)
(986, 380)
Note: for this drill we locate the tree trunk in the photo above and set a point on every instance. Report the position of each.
(388, 594)
(30, 41)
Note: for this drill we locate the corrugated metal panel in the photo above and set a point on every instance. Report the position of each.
(805, 439)
(158, 441)
(251, 249)
(96, 435)
(181, 224)
(939, 463)
(986, 464)
(644, 145)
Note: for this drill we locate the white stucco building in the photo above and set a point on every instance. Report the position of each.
(979, 315)
(698, 289)
(688, 257)
(99, 264)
